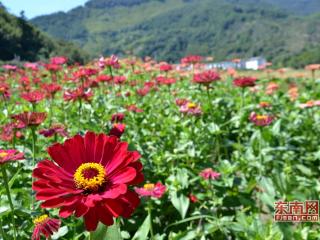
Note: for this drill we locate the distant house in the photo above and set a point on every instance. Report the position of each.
(254, 63)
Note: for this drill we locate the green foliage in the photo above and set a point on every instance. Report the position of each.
(172, 29)
(19, 39)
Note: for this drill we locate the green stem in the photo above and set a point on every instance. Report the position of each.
(1, 230)
(260, 153)
(79, 112)
(33, 131)
(91, 235)
(6, 185)
(149, 213)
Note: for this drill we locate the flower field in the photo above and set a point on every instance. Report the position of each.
(135, 149)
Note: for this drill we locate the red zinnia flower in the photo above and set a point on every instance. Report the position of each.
(245, 82)
(260, 120)
(31, 118)
(10, 155)
(208, 173)
(152, 190)
(55, 129)
(117, 130)
(79, 93)
(33, 97)
(117, 117)
(45, 225)
(193, 198)
(165, 67)
(90, 178)
(206, 77)
(191, 59)
(51, 88)
(9, 130)
(58, 60)
(134, 108)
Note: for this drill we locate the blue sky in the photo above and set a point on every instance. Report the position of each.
(34, 8)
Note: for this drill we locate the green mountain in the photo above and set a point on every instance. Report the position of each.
(171, 29)
(19, 39)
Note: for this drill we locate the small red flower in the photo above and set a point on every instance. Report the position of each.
(60, 60)
(33, 97)
(244, 82)
(10, 155)
(165, 67)
(51, 88)
(260, 120)
(208, 173)
(192, 59)
(44, 225)
(79, 93)
(134, 108)
(119, 79)
(90, 176)
(117, 130)
(206, 77)
(193, 198)
(31, 118)
(56, 129)
(117, 117)
(152, 190)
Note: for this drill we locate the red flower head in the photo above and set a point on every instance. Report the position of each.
(165, 67)
(208, 173)
(271, 88)
(46, 226)
(104, 78)
(244, 82)
(193, 198)
(53, 67)
(143, 91)
(51, 88)
(9, 130)
(4, 90)
(79, 93)
(134, 108)
(9, 67)
(191, 109)
(151, 190)
(33, 97)
(117, 130)
(55, 129)
(206, 77)
(10, 155)
(119, 79)
(191, 59)
(260, 120)
(181, 101)
(90, 178)
(117, 117)
(58, 60)
(165, 81)
(264, 104)
(113, 61)
(32, 66)
(31, 118)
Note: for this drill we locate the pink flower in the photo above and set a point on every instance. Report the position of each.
(191, 108)
(58, 60)
(208, 173)
(44, 225)
(206, 77)
(260, 120)
(151, 190)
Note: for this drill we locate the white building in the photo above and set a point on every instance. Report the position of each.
(249, 64)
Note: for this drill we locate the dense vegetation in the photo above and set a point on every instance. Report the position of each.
(174, 28)
(19, 39)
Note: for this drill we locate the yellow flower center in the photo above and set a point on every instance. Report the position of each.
(89, 176)
(192, 105)
(41, 219)
(262, 117)
(148, 186)
(3, 154)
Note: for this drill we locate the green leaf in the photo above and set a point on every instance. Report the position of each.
(110, 233)
(181, 203)
(144, 229)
